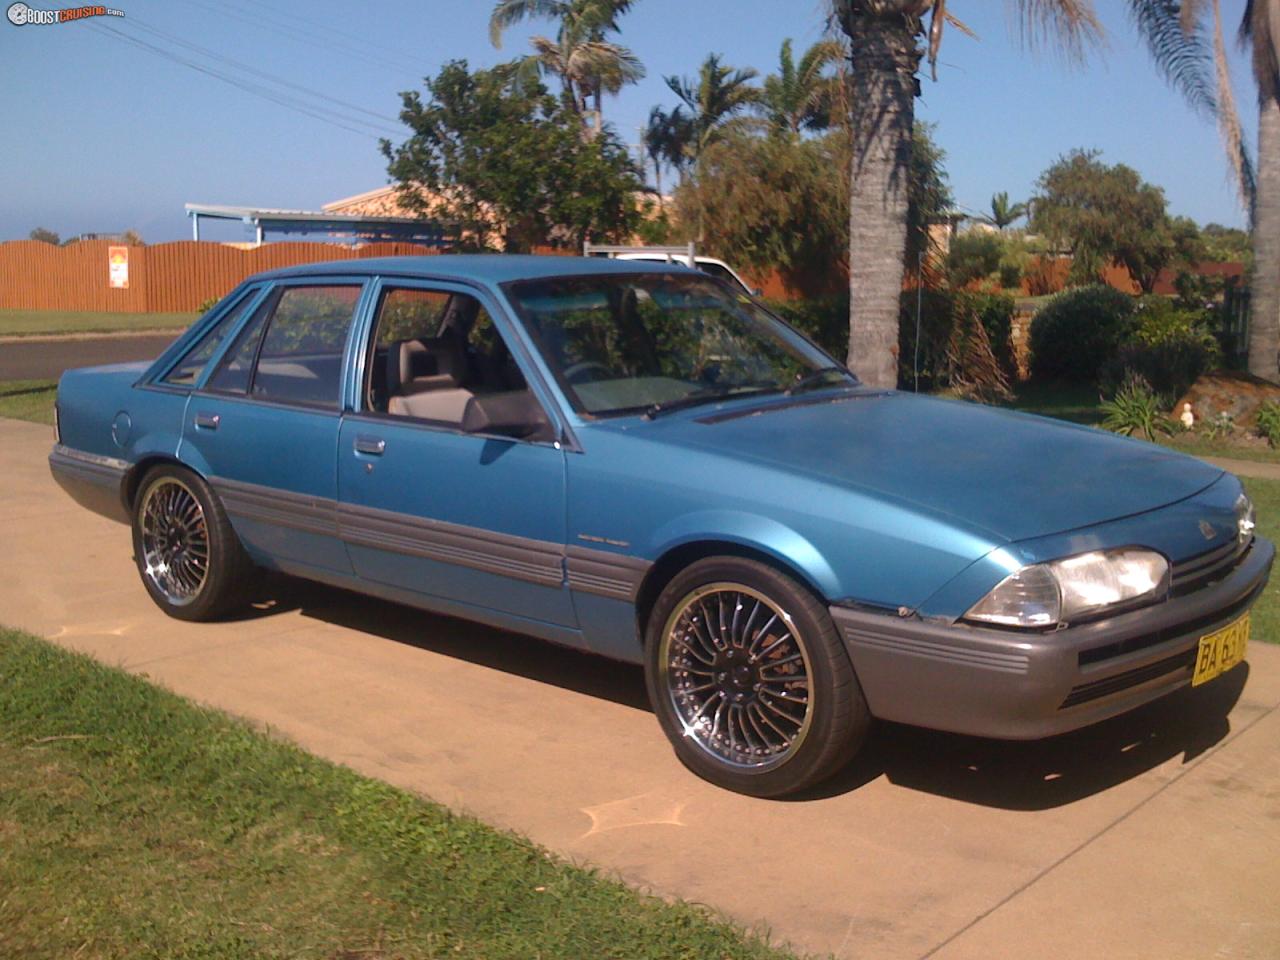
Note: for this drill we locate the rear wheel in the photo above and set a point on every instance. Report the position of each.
(749, 679)
(189, 558)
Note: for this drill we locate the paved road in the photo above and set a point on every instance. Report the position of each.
(1157, 835)
(46, 359)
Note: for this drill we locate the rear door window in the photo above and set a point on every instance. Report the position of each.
(292, 349)
(301, 356)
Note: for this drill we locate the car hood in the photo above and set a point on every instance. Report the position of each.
(1008, 474)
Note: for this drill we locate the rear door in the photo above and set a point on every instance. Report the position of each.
(477, 520)
(264, 425)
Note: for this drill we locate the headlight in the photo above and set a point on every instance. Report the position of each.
(1246, 518)
(1046, 594)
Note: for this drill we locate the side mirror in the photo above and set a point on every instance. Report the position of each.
(516, 413)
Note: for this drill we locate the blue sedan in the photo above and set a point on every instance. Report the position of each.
(638, 461)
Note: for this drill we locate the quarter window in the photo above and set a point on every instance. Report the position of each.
(188, 369)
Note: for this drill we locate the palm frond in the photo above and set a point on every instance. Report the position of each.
(1071, 25)
(1179, 48)
(1229, 117)
(507, 13)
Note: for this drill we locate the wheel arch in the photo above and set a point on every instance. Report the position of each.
(133, 476)
(682, 555)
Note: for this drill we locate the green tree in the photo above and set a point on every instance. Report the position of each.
(772, 203)
(503, 162)
(885, 38)
(1100, 214)
(44, 236)
(1186, 40)
(1003, 213)
(929, 198)
(667, 137)
(800, 96)
(709, 106)
(1225, 244)
(588, 64)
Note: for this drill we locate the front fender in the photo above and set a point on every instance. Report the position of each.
(768, 536)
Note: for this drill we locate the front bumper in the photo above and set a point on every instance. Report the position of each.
(1019, 686)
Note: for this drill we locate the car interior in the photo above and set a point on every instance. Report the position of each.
(433, 355)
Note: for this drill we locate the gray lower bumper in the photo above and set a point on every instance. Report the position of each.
(92, 481)
(1018, 686)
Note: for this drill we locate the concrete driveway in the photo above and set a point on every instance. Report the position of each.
(1157, 835)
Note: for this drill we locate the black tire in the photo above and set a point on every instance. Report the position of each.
(836, 716)
(183, 584)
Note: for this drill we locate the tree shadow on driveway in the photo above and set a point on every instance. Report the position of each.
(1010, 775)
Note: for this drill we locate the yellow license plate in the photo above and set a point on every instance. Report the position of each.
(1221, 650)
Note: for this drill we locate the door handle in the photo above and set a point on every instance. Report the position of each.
(208, 421)
(373, 446)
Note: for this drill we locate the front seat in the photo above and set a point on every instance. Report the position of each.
(426, 377)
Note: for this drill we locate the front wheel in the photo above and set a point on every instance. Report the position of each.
(189, 558)
(749, 679)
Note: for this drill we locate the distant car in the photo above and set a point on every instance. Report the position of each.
(634, 460)
(711, 266)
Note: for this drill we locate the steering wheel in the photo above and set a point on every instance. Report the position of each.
(574, 374)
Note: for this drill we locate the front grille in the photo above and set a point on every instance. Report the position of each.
(1096, 689)
(1208, 568)
(1157, 637)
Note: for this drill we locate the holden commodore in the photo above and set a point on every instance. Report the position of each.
(641, 462)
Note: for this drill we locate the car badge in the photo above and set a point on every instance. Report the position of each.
(1206, 528)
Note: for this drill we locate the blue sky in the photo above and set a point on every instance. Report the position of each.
(101, 135)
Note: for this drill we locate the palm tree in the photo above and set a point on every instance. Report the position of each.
(885, 52)
(1186, 41)
(666, 138)
(712, 100)
(708, 105)
(587, 64)
(800, 96)
(1004, 213)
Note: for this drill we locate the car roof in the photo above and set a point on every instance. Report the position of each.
(474, 267)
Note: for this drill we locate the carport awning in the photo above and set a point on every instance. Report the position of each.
(428, 232)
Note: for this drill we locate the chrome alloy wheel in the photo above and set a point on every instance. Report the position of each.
(737, 673)
(175, 541)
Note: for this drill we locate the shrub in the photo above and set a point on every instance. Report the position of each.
(964, 343)
(823, 320)
(1077, 331)
(1136, 409)
(1170, 348)
(207, 305)
(1269, 422)
(973, 256)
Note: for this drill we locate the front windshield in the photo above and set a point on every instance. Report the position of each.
(647, 341)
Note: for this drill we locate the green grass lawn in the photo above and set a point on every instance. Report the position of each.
(134, 823)
(28, 399)
(1266, 613)
(27, 323)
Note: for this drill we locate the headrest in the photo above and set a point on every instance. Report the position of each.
(439, 360)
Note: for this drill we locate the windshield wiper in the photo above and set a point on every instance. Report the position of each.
(728, 392)
(814, 377)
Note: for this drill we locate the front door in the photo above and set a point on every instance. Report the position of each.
(476, 520)
(264, 426)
